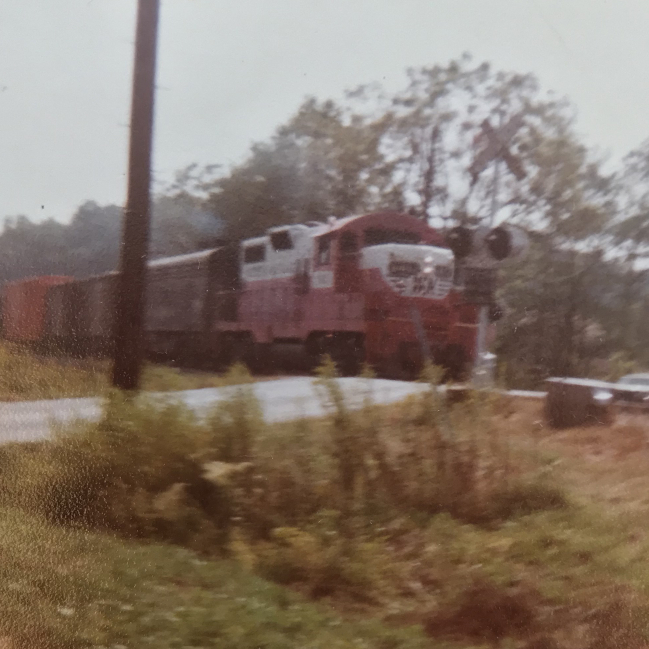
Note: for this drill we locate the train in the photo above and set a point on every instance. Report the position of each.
(383, 289)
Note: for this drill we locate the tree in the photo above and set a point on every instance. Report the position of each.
(631, 229)
(325, 161)
(181, 224)
(433, 130)
(89, 244)
(630, 237)
(28, 249)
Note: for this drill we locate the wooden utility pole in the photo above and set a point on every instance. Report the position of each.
(135, 233)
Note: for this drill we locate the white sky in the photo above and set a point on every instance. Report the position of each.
(230, 71)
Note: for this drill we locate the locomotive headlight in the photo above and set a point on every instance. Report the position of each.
(428, 260)
(428, 269)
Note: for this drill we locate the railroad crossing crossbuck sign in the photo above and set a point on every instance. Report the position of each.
(495, 146)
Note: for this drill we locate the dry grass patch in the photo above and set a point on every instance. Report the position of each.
(602, 465)
(25, 376)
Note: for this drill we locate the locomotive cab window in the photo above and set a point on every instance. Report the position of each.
(398, 268)
(323, 255)
(254, 254)
(378, 236)
(281, 240)
(348, 243)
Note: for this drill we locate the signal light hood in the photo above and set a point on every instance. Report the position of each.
(498, 244)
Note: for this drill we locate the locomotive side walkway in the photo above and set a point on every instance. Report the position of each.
(280, 400)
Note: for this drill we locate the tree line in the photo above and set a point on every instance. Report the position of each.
(574, 306)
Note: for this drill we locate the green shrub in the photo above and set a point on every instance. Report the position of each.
(236, 421)
(137, 445)
(527, 497)
(326, 565)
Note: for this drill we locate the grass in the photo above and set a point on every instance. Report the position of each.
(65, 588)
(70, 588)
(25, 376)
(472, 524)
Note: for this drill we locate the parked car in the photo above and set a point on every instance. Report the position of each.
(633, 389)
(577, 401)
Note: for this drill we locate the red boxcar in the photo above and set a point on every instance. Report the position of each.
(24, 307)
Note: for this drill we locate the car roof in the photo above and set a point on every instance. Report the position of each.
(641, 375)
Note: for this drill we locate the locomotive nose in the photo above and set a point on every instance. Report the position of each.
(412, 270)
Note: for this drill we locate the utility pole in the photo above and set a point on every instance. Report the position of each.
(135, 230)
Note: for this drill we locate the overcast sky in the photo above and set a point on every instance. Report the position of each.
(230, 71)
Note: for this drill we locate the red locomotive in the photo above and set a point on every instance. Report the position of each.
(375, 288)
(382, 288)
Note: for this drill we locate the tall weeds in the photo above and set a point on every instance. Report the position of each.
(153, 469)
(435, 456)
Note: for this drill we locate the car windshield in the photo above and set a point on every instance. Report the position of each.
(635, 380)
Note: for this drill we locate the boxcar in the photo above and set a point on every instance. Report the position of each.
(96, 301)
(24, 308)
(63, 319)
(184, 294)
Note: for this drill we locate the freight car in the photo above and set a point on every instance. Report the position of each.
(79, 315)
(384, 288)
(23, 308)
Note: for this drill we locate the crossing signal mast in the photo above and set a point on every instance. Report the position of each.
(480, 249)
(495, 148)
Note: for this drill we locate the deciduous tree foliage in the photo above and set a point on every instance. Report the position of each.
(325, 161)
(89, 243)
(629, 231)
(412, 150)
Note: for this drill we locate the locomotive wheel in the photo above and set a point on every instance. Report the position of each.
(455, 364)
(409, 363)
(348, 354)
(236, 349)
(259, 358)
(346, 350)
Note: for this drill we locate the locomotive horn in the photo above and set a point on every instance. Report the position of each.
(460, 241)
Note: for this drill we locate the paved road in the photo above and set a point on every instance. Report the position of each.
(281, 400)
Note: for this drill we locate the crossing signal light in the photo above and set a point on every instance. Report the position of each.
(498, 244)
(460, 241)
(505, 242)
